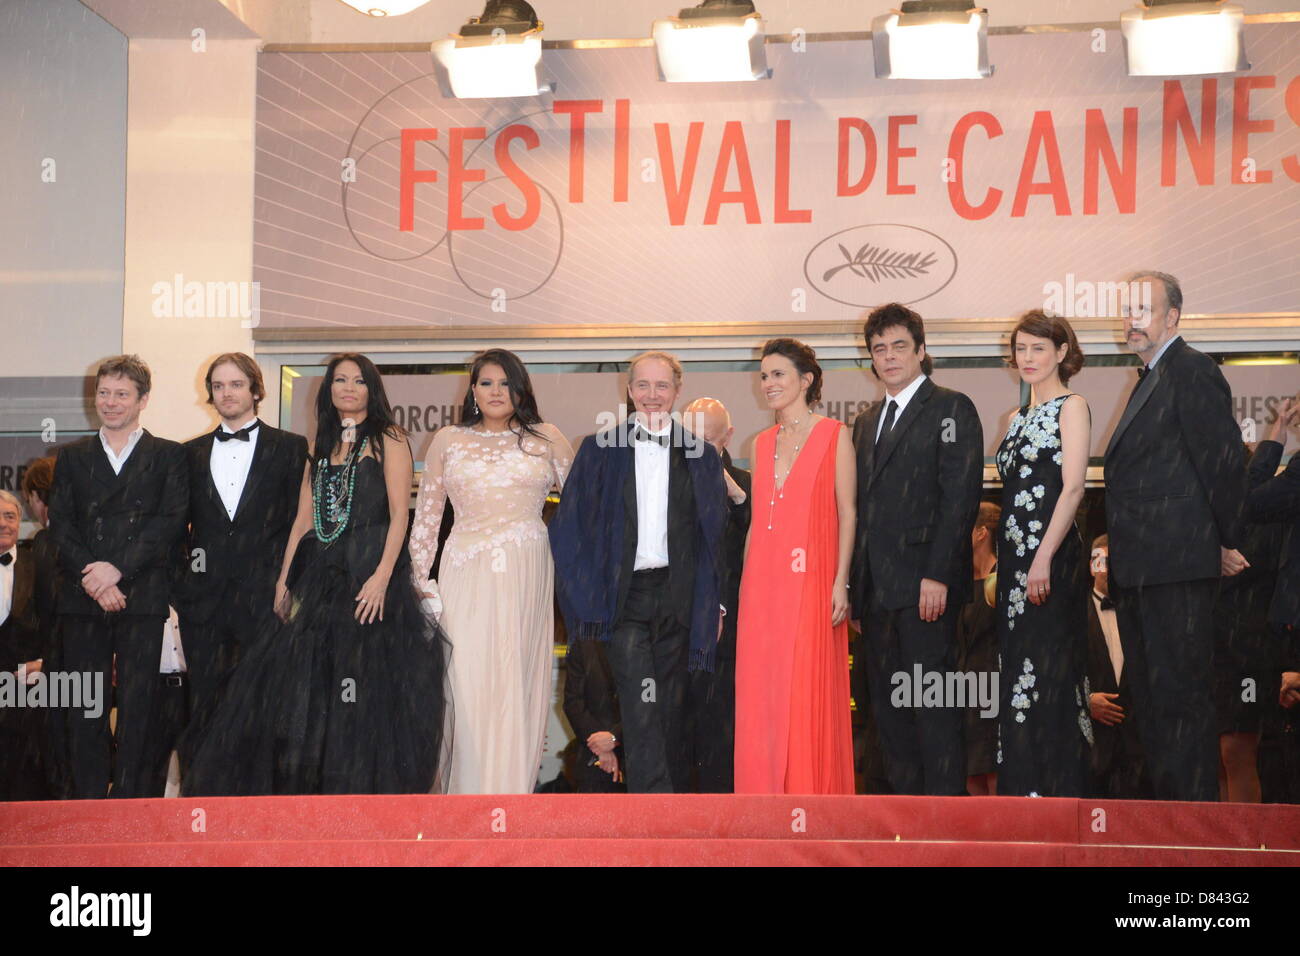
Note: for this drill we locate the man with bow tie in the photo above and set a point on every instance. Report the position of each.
(637, 541)
(1116, 758)
(117, 515)
(244, 481)
(1175, 484)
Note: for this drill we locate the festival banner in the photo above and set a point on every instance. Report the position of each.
(807, 197)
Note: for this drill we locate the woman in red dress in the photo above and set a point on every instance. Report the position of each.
(793, 732)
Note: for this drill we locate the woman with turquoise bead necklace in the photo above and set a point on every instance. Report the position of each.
(348, 694)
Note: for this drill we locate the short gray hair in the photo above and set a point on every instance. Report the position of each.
(666, 357)
(1173, 291)
(12, 499)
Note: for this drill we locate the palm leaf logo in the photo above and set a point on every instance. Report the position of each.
(874, 263)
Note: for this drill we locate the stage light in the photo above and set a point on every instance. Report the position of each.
(495, 55)
(932, 40)
(1173, 38)
(718, 41)
(385, 8)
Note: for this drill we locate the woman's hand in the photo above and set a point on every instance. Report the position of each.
(370, 599)
(839, 603)
(283, 601)
(1040, 579)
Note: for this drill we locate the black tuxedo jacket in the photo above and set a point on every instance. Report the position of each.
(1276, 498)
(134, 521)
(590, 694)
(1101, 680)
(918, 497)
(23, 633)
(249, 550)
(1175, 480)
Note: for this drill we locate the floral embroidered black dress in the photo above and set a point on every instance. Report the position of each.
(1043, 721)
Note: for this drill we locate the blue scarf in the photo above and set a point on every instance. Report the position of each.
(587, 537)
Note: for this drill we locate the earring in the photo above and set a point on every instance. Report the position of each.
(475, 406)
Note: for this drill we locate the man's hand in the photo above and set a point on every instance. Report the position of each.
(1289, 695)
(609, 763)
(601, 742)
(934, 599)
(111, 599)
(97, 576)
(1288, 413)
(1104, 709)
(1232, 562)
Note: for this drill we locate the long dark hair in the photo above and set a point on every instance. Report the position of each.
(525, 414)
(379, 414)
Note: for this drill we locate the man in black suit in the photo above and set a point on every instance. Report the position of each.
(23, 638)
(117, 514)
(712, 697)
(636, 543)
(245, 478)
(591, 704)
(1117, 767)
(1275, 498)
(1175, 484)
(920, 474)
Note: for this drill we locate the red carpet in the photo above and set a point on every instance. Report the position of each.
(646, 830)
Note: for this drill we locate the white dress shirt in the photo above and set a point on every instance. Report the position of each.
(901, 400)
(230, 461)
(652, 463)
(114, 459)
(7, 584)
(1110, 629)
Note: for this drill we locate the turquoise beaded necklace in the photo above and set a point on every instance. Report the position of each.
(330, 489)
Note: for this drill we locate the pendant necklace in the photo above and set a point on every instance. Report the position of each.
(793, 429)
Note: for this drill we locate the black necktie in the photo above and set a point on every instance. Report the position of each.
(241, 435)
(1105, 602)
(640, 434)
(6, 559)
(1143, 371)
(890, 410)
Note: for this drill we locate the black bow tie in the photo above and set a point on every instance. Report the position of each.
(640, 434)
(1143, 372)
(241, 435)
(6, 559)
(1106, 603)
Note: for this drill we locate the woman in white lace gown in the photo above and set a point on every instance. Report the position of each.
(496, 575)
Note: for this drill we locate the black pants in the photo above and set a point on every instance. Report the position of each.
(711, 705)
(89, 645)
(923, 747)
(213, 649)
(1167, 632)
(647, 653)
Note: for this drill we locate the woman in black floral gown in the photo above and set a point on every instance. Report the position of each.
(1044, 727)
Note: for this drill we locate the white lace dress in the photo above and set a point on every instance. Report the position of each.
(496, 588)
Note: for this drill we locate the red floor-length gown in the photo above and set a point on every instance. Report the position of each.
(793, 731)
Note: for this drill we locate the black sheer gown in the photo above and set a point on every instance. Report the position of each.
(323, 704)
(1043, 722)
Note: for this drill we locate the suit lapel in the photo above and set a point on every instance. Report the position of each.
(101, 469)
(903, 423)
(140, 459)
(260, 454)
(204, 464)
(1140, 398)
(867, 451)
(24, 578)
